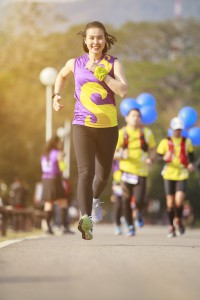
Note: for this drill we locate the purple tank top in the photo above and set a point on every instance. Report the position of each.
(115, 165)
(95, 102)
(50, 166)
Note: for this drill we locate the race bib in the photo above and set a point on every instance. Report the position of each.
(129, 178)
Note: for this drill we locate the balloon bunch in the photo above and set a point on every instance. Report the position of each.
(189, 117)
(145, 103)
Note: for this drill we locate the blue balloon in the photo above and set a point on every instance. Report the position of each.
(169, 132)
(194, 135)
(146, 99)
(188, 115)
(126, 105)
(149, 114)
(184, 133)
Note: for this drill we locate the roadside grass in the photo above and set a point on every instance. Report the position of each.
(11, 235)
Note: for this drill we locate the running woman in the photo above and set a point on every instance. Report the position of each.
(177, 153)
(98, 77)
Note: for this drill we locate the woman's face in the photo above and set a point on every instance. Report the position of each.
(95, 40)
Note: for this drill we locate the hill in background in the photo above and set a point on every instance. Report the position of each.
(112, 12)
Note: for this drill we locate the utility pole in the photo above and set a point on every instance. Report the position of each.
(176, 44)
(178, 9)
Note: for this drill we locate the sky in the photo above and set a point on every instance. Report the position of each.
(114, 12)
(43, 1)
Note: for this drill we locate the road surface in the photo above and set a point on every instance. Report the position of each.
(148, 266)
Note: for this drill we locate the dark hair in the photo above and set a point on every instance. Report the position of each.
(51, 144)
(110, 39)
(136, 109)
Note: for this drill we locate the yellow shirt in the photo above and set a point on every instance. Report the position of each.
(174, 170)
(135, 163)
(117, 176)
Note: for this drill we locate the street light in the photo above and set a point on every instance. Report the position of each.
(64, 133)
(47, 77)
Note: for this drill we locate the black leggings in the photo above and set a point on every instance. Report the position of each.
(94, 150)
(139, 191)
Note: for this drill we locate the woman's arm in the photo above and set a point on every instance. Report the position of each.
(60, 81)
(118, 84)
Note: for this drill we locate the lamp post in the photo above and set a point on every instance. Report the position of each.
(47, 77)
(64, 133)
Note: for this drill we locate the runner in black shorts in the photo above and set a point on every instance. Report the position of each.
(134, 149)
(177, 152)
(173, 186)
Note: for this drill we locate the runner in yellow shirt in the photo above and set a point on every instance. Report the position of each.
(177, 152)
(135, 143)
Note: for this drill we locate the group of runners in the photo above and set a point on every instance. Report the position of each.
(136, 151)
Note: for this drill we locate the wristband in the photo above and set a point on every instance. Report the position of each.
(56, 94)
(100, 73)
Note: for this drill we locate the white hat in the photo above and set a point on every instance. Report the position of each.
(176, 123)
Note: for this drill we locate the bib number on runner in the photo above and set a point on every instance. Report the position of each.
(129, 178)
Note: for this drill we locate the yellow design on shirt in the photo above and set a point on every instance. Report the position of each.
(105, 113)
(174, 170)
(135, 163)
(106, 63)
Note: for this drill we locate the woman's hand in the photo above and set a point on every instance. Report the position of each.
(125, 154)
(56, 103)
(90, 65)
(167, 156)
(149, 161)
(190, 167)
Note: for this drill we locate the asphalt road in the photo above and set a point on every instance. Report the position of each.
(148, 266)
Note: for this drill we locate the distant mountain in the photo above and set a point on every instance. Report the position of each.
(118, 12)
(114, 12)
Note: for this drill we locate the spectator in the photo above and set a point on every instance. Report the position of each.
(18, 196)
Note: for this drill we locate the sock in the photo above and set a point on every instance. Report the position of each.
(179, 212)
(49, 215)
(64, 217)
(170, 212)
(95, 200)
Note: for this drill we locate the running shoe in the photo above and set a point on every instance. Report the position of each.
(118, 230)
(97, 211)
(131, 231)
(85, 226)
(180, 229)
(50, 231)
(140, 221)
(172, 232)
